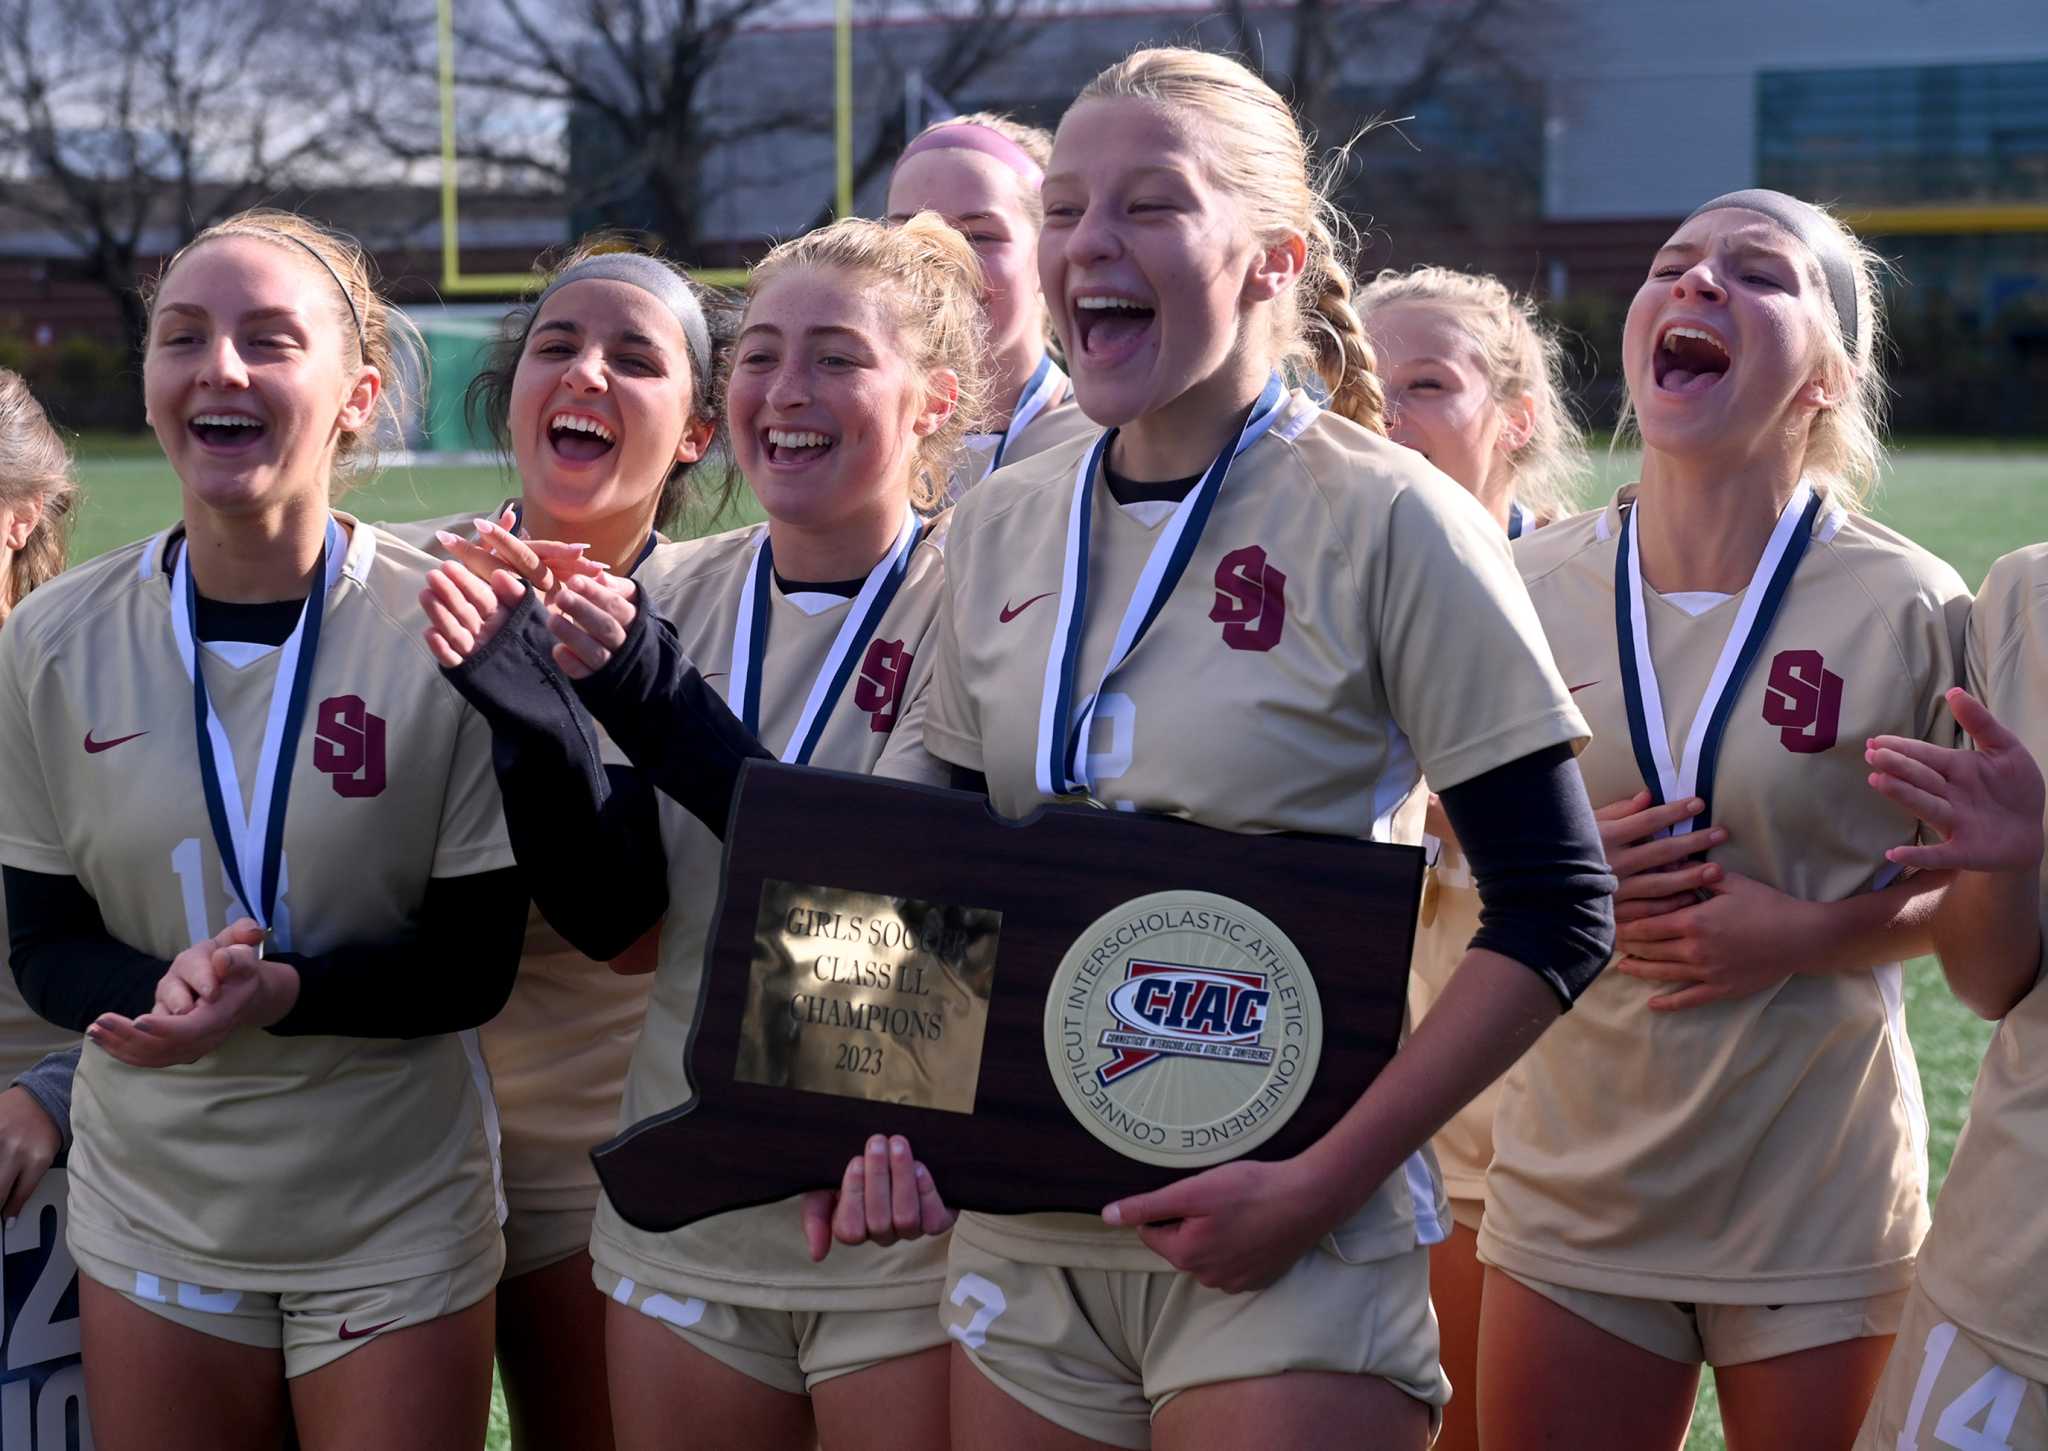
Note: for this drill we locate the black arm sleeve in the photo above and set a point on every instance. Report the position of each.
(651, 699)
(453, 971)
(587, 836)
(1546, 897)
(69, 967)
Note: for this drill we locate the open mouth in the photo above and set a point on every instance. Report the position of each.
(227, 431)
(1689, 359)
(1110, 326)
(790, 447)
(579, 438)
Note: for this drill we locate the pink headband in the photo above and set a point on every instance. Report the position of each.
(972, 136)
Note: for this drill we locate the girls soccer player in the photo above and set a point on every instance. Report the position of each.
(272, 887)
(37, 492)
(601, 394)
(1721, 1157)
(1970, 1367)
(1475, 385)
(855, 376)
(1327, 621)
(982, 173)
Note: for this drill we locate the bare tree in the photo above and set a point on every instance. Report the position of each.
(529, 74)
(1412, 46)
(973, 38)
(129, 125)
(611, 99)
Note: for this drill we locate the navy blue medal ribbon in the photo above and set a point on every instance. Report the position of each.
(1060, 771)
(864, 617)
(284, 724)
(1693, 774)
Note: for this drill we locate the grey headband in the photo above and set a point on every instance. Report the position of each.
(1810, 225)
(659, 281)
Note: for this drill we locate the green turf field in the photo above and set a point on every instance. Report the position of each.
(1969, 503)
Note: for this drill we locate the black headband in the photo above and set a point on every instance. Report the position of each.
(362, 346)
(658, 280)
(1812, 226)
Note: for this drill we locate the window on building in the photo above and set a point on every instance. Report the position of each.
(1899, 135)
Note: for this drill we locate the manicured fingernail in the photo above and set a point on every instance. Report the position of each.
(484, 526)
(878, 1145)
(447, 540)
(899, 1145)
(1113, 1214)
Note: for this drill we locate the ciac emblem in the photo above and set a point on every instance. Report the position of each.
(1183, 1029)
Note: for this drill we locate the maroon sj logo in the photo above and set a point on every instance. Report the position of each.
(1251, 600)
(348, 744)
(884, 671)
(1804, 698)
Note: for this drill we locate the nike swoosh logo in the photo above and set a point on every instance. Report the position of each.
(714, 675)
(348, 1334)
(1008, 614)
(1575, 689)
(93, 747)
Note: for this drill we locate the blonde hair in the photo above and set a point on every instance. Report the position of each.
(1845, 443)
(488, 398)
(1256, 152)
(932, 280)
(1845, 447)
(372, 330)
(1034, 141)
(36, 471)
(1522, 358)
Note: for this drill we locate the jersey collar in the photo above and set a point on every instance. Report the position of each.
(355, 565)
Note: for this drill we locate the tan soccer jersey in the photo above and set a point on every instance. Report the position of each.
(1450, 916)
(1770, 1148)
(757, 1256)
(1058, 421)
(1348, 620)
(558, 1052)
(274, 1162)
(1984, 1259)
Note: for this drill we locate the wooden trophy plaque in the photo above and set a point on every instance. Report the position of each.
(1056, 1012)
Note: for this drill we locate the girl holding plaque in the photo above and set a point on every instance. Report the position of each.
(1720, 1156)
(1475, 385)
(601, 393)
(982, 173)
(1262, 615)
(855, 376)
(247, 887)
(1971, 1363)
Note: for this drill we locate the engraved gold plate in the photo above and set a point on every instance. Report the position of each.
(868, 996)
(1183, 1029)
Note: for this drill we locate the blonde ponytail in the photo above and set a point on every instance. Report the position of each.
(1336, 335)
